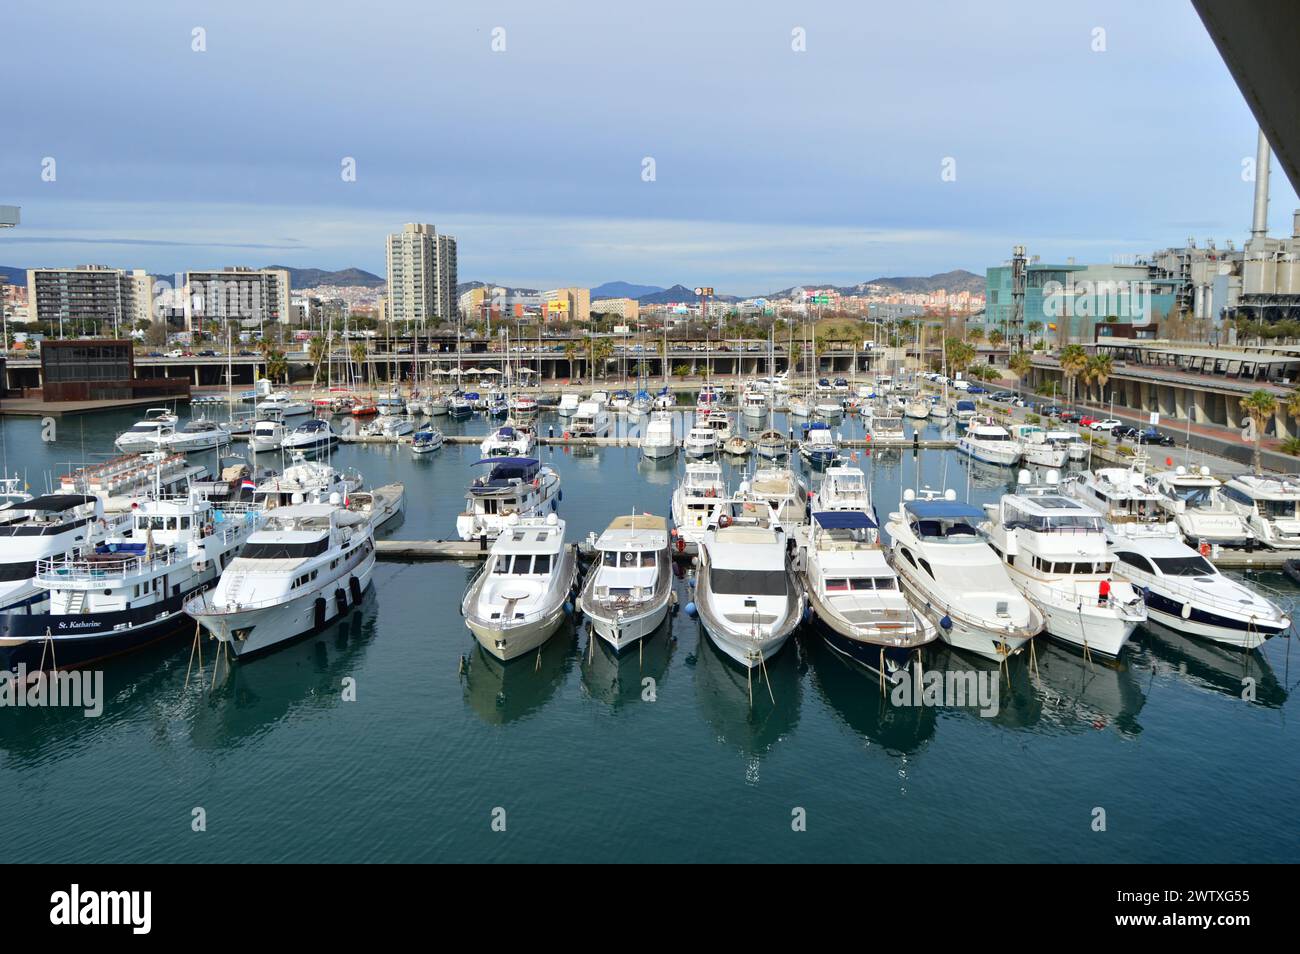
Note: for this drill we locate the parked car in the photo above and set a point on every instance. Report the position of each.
(1001, 396)
(976, 389)
(1153, 436)
(1052, 410)
(1125, 433)
(1070, 417)
(1109, 424)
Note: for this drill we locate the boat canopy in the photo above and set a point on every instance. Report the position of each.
(943, 510)
(844, 520)
(52, 503)
(507, 462)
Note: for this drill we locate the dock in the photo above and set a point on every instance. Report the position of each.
(635, 441)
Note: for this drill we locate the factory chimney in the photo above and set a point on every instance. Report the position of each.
(1259, 223)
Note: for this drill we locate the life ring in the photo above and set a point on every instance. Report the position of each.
(724, 521)
(1204, 548)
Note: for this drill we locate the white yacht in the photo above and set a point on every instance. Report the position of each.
(799, 406)
(844, 487)
(197, 435)
(126, 590)
(989, 442)
(1056, 552)
(630, 584)
(1068, 441)
(1036, 448)
(965, 412)
(115, 480)
(771, 445)
(426, 440)
(285, 405)
(916, 407)
(954, 577)
(44, 528)
(855, 597)
(266, 436)
(718, 421)
(513, 488)
(1186, 593)
(1196, 502)
(882, 423)
(309, 565)
(697, 501)
(146, 434)
(658, 440)
(1127, 497)
(397, 425)
(590, 420)
(314, 435)
(754, 404)
(509, 440)
(701, 441)
(304, 481)
(1269, 505)
(829, 410)
(780, 495)
(518, 600)
(818, 447)
(568, 405)
(746, 597)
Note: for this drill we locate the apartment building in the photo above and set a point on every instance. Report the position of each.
(90, 294)
(237, 294)
(421, 274)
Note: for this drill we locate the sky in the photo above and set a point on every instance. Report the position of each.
(791, 143)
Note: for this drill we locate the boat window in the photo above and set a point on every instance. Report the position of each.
(523, 564)
(748, 582)
(501, 564)
(542, 563)
(1134, 560)
(877, 583)
(629, 558)
(925, 565)
(647, 558)
(610, 558)
(10, 572)
(837, 586)
(284, 551)
(1278, 509)
(908, 553)
(1194, 565)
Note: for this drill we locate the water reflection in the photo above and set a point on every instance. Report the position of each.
(1078, 694)
(854, 695)
(1212, 667)
(617, 679)
(500, 693)
(723, 690)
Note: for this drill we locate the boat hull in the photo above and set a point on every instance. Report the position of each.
(622, 632)
(511, 642)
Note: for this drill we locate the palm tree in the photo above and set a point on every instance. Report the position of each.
(1098, 371)
(358, 352)
(975, 334)
(960, 354)
(1020, 363)
(1034, 328)
(1292, 402)
(277, 366)
(317, 350)
(1261, 406)
(572, 352)
(1073, 360)
(996, 338)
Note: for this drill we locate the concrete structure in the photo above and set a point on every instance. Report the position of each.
(566, 304)
(627, 309)
(92, 295)
(421, 274)
(251, 296)
(99, 369)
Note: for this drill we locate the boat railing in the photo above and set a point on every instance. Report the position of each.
(1198, 594)
(118, 565)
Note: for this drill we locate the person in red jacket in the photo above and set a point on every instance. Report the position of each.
(1103, 592)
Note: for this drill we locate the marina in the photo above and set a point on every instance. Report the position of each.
(739, 704)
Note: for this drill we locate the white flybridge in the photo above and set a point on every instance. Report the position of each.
(307, 566)
(697, 500)
(1195, 500)
(519, 598)
(1067, 441)
(568, 405)
(509, 440)
(855, 597)
(266, 436)
(989, 442)
(285, 405)
(882, 423)
(305, 481)
(658, 440)
(591, 419)
(1056, 551)
(754, 404)
(514, 487)
(40, 529)
(629, 587)
(701, 441)
(954, 577)
(844, 487)
(147, 434)
(197, 435)
(746, 596)
(1269, 505)
(779, 494)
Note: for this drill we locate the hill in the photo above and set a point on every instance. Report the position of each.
(313, 277)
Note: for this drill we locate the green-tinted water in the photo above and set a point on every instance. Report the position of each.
(285, 770)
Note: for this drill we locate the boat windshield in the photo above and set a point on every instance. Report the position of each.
(628, 558)
(1194, 565)
(856, 584)
(748, 582)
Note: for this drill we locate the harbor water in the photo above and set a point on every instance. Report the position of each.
(652, 756)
